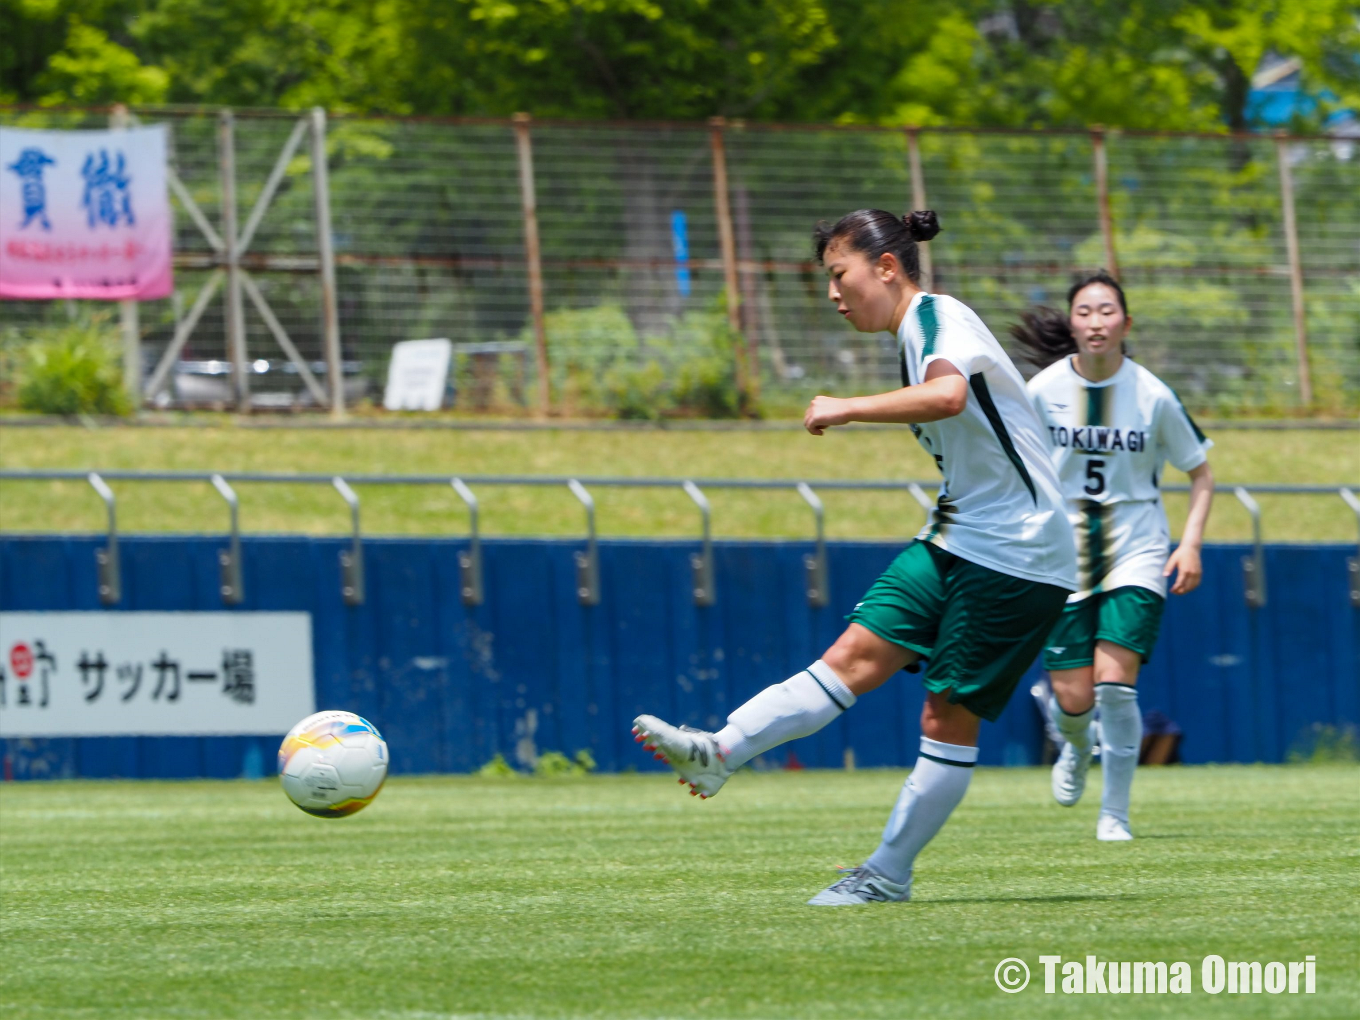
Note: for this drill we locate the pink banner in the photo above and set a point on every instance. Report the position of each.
(84, 214)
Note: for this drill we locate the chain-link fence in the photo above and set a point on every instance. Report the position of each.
(637, 249)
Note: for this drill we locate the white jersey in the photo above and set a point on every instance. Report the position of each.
(1000, 505)
(1109, 441)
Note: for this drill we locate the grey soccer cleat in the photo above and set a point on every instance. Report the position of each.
(1110, 829)
(861, 885)
(692, 753)
(1069, 775)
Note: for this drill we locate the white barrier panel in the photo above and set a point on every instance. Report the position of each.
(417, 375)
(154, 674)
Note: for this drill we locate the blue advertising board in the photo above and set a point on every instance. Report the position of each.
(532, 669)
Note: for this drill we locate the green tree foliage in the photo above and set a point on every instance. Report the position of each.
(1142, 64)
(611, 58)
(93, 69)
(1148, 64)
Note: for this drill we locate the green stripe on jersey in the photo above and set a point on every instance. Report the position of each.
(978, 382)
(930, 324)
(1097, 555)
(1095, 405)
(1198, 434)
(1096, 563)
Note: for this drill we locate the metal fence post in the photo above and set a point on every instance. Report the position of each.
(235, 312)
(1353, 562)
(727, 241)
(918, 201)
(815, 563)
(119, 120)
(1102, 174)
(528, 196)
(587, 561)
(106, 559)
(1291, 242)
(232, 589)
(1253, 566)
(747, 274)
(351, 559)
(325, 246)
(470, 559)
(701, 563)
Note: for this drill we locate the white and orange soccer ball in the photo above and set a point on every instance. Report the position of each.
(333, 764)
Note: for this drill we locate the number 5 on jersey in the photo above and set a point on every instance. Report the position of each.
(1095, 477)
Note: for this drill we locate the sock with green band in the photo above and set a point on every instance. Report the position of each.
(1121, 736)
(929, 796)
(798, 707)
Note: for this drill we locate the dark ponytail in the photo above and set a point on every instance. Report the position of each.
(874, 233)
(1045, 334)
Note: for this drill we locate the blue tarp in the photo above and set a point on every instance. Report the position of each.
(451, 685)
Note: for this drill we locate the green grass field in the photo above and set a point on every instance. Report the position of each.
(617, 896)
(1297, 456)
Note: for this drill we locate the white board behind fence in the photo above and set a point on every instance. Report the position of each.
(417, 375)
(154, 674)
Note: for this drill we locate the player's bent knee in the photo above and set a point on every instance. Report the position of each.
(863, 660)
(1073, 688)
(1115, 664)
(949, 723)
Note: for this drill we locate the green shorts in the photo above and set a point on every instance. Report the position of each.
(980, 629)
(1130, 616)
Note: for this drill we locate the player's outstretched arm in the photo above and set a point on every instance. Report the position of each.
(1185, 561)
(943, 394)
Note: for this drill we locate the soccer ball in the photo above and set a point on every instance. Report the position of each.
(332, 764)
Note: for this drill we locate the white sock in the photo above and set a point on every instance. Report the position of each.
(801, 705)
(1076, 729)
(929, 796)
(1121, 737)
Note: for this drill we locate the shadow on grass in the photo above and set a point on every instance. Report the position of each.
(1062, 898)
(1171, 835)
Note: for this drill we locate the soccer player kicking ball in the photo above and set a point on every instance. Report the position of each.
(1111, 427)
(976, 593)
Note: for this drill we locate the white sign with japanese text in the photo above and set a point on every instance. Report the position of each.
(84, 214)
(105, 674)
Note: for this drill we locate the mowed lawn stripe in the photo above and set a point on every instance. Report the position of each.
(618, 896)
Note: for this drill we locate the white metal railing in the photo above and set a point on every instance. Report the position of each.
(587, 560)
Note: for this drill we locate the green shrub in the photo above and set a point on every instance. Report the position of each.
(555, 763)
(637, 392)
(1325, 745)
(497, 768)
(549, 763)
(599, 364)
(73, 369)
(705, 378)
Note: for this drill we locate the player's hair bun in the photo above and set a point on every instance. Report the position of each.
(877, 232)
(922, 224)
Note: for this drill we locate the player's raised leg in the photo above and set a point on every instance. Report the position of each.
(1074, 760)
(800, 706)
(1068, 655)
